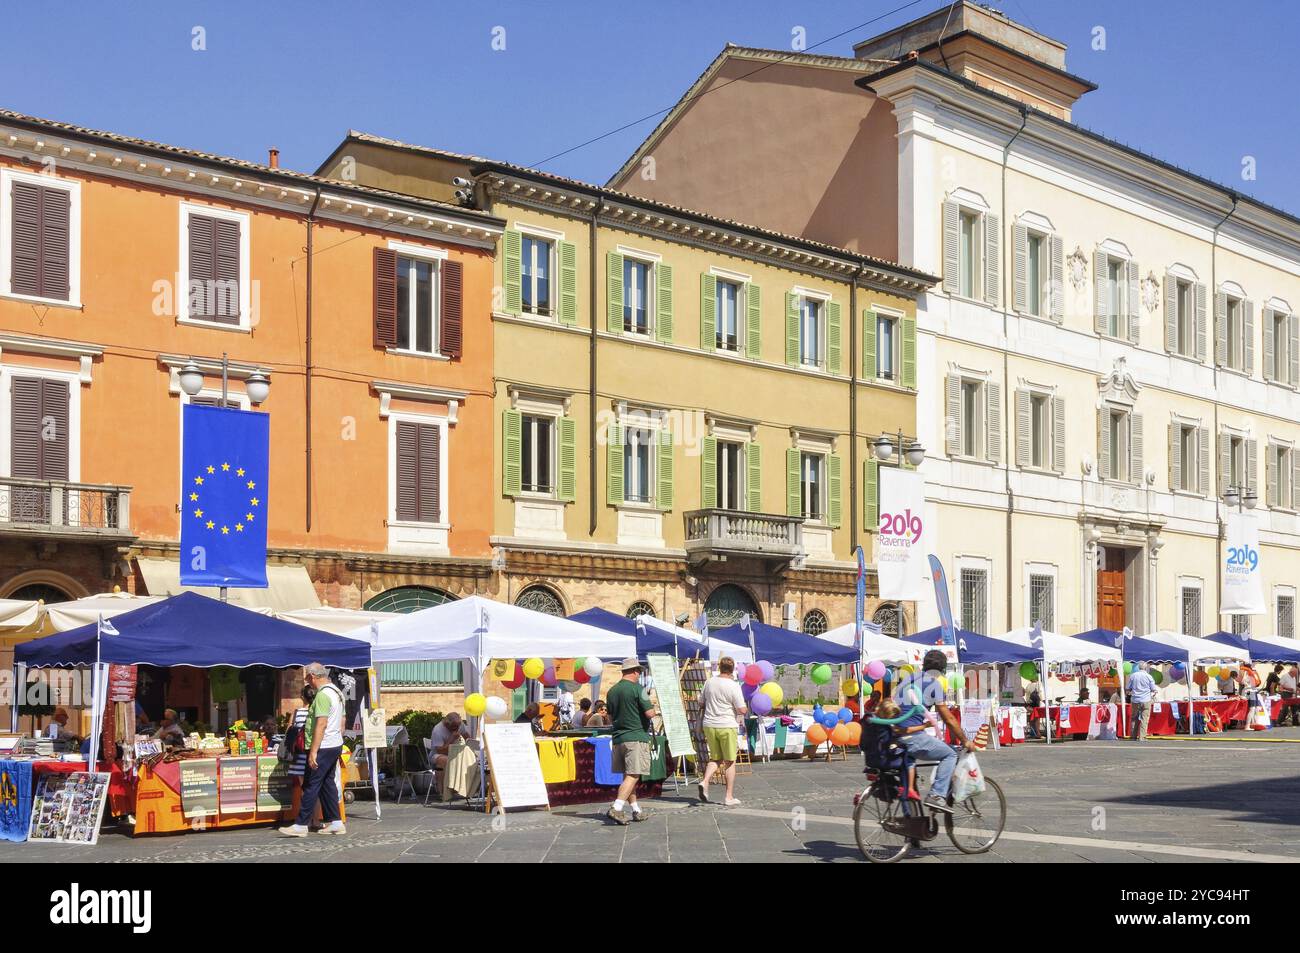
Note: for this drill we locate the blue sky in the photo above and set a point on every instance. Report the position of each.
(1181, 80)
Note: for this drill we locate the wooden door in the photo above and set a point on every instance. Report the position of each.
(1111, 612)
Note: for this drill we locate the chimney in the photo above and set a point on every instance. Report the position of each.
(274, 161)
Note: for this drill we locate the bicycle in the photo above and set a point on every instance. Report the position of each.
(887, 824)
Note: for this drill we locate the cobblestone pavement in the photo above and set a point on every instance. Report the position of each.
(1159, 801)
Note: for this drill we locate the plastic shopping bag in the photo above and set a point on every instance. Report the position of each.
(967, 779)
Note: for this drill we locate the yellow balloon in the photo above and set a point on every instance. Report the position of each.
(943, 682)
(773, 691)
(907, 670)
(1212, 671)
(475, 705)
(849, 688)
(533, 668)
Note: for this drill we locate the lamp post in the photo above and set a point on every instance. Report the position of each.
(1240, 498)
(885, 446)
(257, 386)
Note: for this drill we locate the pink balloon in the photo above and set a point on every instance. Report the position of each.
(875, 670)
(548, 676)
(753, 674)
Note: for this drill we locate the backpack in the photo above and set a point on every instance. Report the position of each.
(879, 749)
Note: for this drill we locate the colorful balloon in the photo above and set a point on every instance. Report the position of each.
(821, 674)
(875, 669)
(773, 691)
(840, 735)
(849, 688)
(496, 707)
(768, 671)
(548, 676)
(1157, 676)
(855, 732)
(1029, 671)
(747, 691)
(533, 668)
(580, 675)
(753, 674)
(475, 705)
(592, 666)
(845, 715)
(887, 677)
(1128, 668)
(760, 703)
(1200, 678)
(816, 734)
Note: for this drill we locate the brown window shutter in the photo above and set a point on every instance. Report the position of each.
(225, 271)
(203, 272)
(385, 297)
(430, 451)
(25, 428)
(453, 318)
(54, 411)
(25, 273)
(56, 207)
(408, 471)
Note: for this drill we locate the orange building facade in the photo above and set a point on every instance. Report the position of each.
(122, 260)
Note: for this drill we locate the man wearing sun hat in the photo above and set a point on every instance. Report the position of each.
(630, 712)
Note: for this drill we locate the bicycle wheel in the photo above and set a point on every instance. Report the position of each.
(976, 823)
(873, 819)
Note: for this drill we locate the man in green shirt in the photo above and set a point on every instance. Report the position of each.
(630, 712)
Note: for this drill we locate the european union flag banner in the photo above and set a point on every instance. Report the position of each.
(224, 475)
(15, 799)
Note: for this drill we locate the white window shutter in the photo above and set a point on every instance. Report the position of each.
(1220, 328)
(1101, 300)
(993, 416)
(1270, 476)
(1021, 253)
(1225, 462)
(1176, 457)
(952, 423)
(1135, 449)
(1248, 337)
(1251, 476)
(1203, 468)
(1058, 279)
(1103, 443)
(1294, 474)
(1134, 303)
(992, 256)
(1199, 294)
(1024, 418)
(1171, 315)
(1058, 434)
(951, 243)
(1268, 344)
(1293, 348)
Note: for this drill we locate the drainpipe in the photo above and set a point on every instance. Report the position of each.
(311, 220)
(1008, 434)
(853, 410)
(591, 370)
(1214, 364)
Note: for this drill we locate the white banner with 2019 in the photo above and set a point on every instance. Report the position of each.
(1243, 591)
(903, 538)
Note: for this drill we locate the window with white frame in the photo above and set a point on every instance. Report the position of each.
(1189, 600)
(812, 483)
(40, 237)
(1279, 477)
(638, 464)
(731, 475)
(1185, 317)
(1036, 266)
(1285, 600)
(729, 301)
(1241, 625)
(537, 458)
(1185, 458)
(974, 600)
(417, 303)
(1116, 285)
(968, 250)
(1040, 431)
(214, 272)
(1279, 341)
(537, 265)
(1234, 333)
(888, 346)
(1119, 460)
(638, 294)
(972, 418)
(811, 315)
(419, 447)
(1042, 600)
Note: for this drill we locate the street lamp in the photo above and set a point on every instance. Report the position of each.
(257, 385)
(1235, 498)
(885, 446)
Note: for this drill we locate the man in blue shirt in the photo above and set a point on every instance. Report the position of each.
(926, 692)
(1141, 690)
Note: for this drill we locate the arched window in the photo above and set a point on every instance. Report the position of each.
(640, 608)
(890, 619)
(540, 599)
(415, 674)
(408, 599)
(727, 604)
(815, 622)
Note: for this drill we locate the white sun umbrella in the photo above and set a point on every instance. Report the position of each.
(62, 616)
(876, 646)
(336, 621)
(18, 614)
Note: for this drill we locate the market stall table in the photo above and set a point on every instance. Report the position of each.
(590, 782)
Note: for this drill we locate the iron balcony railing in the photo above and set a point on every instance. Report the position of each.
(60, 507)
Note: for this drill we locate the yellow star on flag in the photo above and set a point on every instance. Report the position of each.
(239, 527)
(212, 469)
(254, 501)
(198, 513)
(252, 485)
(239, 472)
(249, 517)
(198, 480)
(225, 531)
(194, 497)
(210, 524)
(225, 466)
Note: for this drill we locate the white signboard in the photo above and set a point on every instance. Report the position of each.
(663, 669)
(374, 729)
(516, 768)
(1243, 592)
(903, 539)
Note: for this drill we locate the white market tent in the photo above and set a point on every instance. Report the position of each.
(1058, 649)
(876, 646)
(1195, 651)
(336, 621)
(18, 614)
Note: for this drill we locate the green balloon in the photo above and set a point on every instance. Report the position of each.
(1029, 671)
(1128, 668)
(821, 674)
(1157, 676)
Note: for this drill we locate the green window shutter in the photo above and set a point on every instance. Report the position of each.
(614, 292)
(709, 474)
(512, 271)
(833, 337)
(753, 478)
(869, 345)
(568, 255)
(833, 486)
(664, 303)
(791, 328)
(614, 465)
(871, 495)
(793, 491)
(568, 489)
(664, 474)
(511, 452)
(708, 312)
(909, 352)
(753, 322)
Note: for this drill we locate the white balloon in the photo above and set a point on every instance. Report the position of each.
(496, 707)
(593, 666)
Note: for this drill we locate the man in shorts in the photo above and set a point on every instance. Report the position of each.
(724, 706)
(630, 712)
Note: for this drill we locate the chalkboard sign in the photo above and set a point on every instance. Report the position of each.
(516, 768)
(237, 791)
(200, 793)
(663, 669)
(68, 808)
(274, 786)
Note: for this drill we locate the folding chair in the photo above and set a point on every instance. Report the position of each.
(415, 763)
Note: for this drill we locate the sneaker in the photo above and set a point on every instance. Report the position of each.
(618, 817)
(640, 815)
(703, 791)
(733, 802)
(334, 827)
(293, 830)
(936, 803)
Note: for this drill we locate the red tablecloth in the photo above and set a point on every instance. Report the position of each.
(1158, 722)
(121, 796)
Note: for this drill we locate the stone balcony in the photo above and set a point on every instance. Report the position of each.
(718, 534)
(59, 509)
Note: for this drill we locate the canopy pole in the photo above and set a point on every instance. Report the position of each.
(1047, 702)
(1191, 706)
(1123, 697)
(19, 686)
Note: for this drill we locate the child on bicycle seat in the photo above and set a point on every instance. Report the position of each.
(888, 709)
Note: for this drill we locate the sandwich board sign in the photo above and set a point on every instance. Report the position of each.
(516, 768)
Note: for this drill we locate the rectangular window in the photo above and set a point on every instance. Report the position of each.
(1234, 332)
(1191, 611)
(1035, 247)
(974, 600)
(1285, 482)
(39, 243)
(417, 303)
(1241, 625)
(812, 468)
(419, 455)
(810, 332)
(728, 304)
(972, 417)
(731, 475)
(638, 465)
(1116, 284)
(1281, 348)
(213, 269)
(637, 277)
(1286, 617)
(887, 344)
(1237, 463)
(1040, 432)
(968, 251)
(536, 275)
(1042, 601)
(1188, 451)
(537, 461)
(1185, 305)
(1119, 444)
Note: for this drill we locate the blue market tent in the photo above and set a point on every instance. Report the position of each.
(1136, 649)
(976, 649)
(1261, 649)
(190, 629)
(785, 646)
(648, 638)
